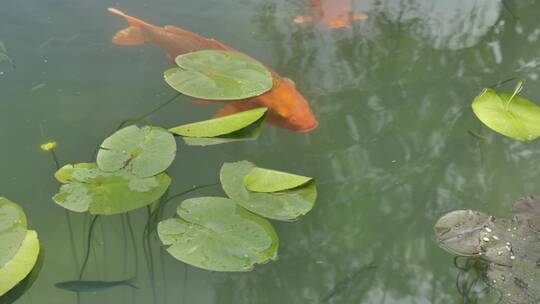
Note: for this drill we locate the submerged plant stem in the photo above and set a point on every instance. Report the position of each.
(55, 159)
(88, 245)
(139, 119)
(142, 117)
(132, 236)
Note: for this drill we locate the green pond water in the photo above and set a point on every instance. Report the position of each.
(392, 152)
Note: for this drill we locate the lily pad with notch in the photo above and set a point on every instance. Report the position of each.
(285, 205)
(218, 75)
(241, 126)
(87, 188)
(19, 247)
(508, 114)
(144, 151)
(214, 233)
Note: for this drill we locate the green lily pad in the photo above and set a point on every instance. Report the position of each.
(285, 205)
(251, 132)
(87, 188)
(21, 264)
(144, 151)
(19, 247)
(519, 120)
(214, 233)
(266, 180)
(218, 75)
(220, 126)
(12, 229)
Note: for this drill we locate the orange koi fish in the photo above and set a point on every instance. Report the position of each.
(287, 108)
(332, 13)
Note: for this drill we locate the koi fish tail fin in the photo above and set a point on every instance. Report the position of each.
(133, 35)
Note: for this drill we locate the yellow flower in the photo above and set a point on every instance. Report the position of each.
(48, 146)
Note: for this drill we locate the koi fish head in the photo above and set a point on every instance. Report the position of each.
(288, 108)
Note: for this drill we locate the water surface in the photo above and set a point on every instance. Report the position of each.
(392, 152)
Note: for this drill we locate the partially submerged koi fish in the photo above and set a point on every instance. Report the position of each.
(332, 13)
(287, 108)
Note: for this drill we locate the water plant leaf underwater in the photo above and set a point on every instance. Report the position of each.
(144, 151)
(19, 247)
(218, 75)
(284, 205)
(220, 126)
(215, 233)
(508, 114)
(527, 210)
(87, 188)
(266, 180)
(510, 247)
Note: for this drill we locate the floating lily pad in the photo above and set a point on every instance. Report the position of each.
(284, 205)
(19, 247)
(144, 151)
(218, 75)
(216, 234)
(21, 264)
(87, 188)
(12, 229)
(510, 248)
(519, 119)
(251, 132)
(266, 180)
(220, 126)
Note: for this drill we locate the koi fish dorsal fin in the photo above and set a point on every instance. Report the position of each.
(132, 35)
(136, 22)
(129, 36)
(211, 43)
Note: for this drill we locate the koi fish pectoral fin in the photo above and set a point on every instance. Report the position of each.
(227, 110)
(204, 101)
(303, 19)
(129, 36)
(235, 107)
